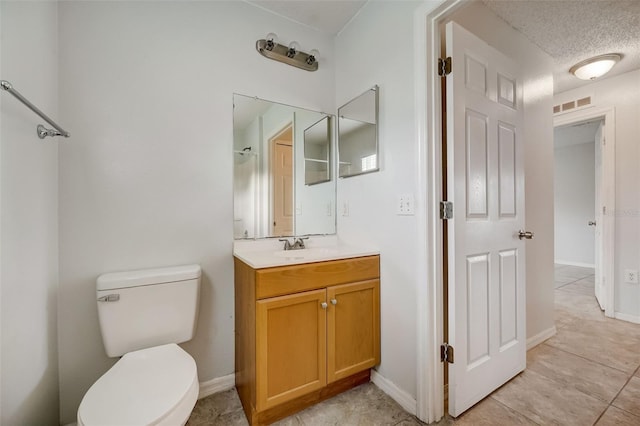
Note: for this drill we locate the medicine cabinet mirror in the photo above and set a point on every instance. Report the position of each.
(282, 181)
(358, 135)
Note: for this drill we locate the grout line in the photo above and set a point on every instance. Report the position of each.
(513, 409)
(585, 358)
(617, 395)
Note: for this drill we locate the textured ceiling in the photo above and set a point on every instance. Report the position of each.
(327, 16)
(573, 30)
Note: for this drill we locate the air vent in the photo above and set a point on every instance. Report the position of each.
(583, 102)
(571, 105)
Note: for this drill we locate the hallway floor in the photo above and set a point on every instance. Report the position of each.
(587, 374)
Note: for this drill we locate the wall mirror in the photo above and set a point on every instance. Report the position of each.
(282, 182)
(358, 135)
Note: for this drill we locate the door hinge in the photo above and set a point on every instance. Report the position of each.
(446, 210)
(446, 353)
(444, 66)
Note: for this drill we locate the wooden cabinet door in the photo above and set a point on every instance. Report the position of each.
(353, 328)
(291, 347)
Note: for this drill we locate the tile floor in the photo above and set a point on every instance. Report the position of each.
(587, 374)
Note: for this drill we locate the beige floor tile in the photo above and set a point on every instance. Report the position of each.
(490, 412)
(580, 287)
(580, 305)
(564, 317)
(594, 341)
(545, 401)
(223, 408)
(629, 398)
(573, 371)
(616, 417)
(364, 405)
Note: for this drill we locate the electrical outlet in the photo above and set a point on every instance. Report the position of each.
(405, 205)
(631, 276)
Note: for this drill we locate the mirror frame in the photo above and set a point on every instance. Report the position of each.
(376, 90)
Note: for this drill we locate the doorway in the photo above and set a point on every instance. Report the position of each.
(584, 185)
(577, 239)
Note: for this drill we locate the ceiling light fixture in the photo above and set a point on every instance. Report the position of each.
(595, 67)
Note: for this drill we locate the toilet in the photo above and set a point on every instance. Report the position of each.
(143, 315)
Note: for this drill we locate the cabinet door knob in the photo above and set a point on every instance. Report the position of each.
(324, 305)
(334, 301)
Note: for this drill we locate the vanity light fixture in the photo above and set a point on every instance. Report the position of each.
(595, 67)
(291, 55)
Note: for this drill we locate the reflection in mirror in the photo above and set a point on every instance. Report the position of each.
(271, 197)
(317, 152)
(358, 135)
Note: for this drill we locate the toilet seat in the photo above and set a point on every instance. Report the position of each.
(154, 386)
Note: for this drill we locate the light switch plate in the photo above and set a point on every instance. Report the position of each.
(405, 205)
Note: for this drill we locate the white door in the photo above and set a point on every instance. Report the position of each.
(598, 219)
(486, 259)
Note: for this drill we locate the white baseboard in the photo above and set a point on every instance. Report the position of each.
(534, 341)
(219, 384)
(405, 400)
(572, 263)
(626, 317)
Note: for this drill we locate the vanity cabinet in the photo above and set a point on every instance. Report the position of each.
(304, 333)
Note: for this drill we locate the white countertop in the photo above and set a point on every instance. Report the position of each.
(269, 252)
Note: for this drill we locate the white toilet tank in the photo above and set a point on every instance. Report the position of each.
(146, 308)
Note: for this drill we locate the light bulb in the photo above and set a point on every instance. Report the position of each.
(271, 39)
(313, 56)
(294, 46)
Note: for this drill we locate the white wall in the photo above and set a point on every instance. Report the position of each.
(622, 93)
(574, 194)
(29, 221)
(538, 133)
(376, 47)
(146, 90)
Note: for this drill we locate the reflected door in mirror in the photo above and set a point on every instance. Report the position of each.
(282, 177)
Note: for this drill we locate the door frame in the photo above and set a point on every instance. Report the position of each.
(607, 191)
(430, 321)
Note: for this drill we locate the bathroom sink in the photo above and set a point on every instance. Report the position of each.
(309, 253)
(269, 253)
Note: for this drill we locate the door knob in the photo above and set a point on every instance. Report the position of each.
(334, 301)
(525, 234)
(592, 223)
(324, 305)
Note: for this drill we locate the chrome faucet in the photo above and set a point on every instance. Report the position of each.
(298, 243)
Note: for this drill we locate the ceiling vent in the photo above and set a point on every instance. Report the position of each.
(572, 105)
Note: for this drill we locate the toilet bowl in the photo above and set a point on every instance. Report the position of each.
(155, 386)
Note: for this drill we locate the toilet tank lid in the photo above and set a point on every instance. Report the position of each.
(116, 280)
